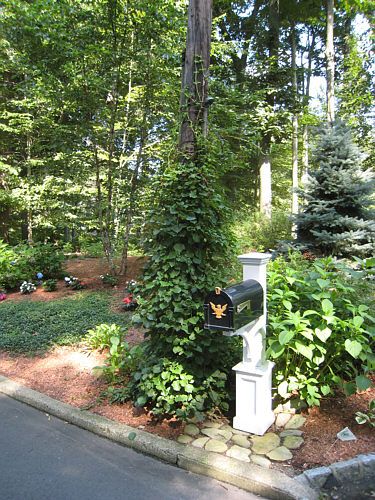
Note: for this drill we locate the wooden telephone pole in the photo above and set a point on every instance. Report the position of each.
(195, 72)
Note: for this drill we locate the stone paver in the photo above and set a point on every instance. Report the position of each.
(200, 442)
(264, 444)
(280, 454)
(295, 422)
(191, 429)
(211, 424)
(184, 439)
(282, 419)
(293, 442)
(291, 432)
(214, 434)
(216, 446)
(239, 453)
(241, 441)
(261, 450)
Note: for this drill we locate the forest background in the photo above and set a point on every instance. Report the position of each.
(90, 113)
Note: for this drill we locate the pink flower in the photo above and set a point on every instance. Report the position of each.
(128, 299)
(2, 296)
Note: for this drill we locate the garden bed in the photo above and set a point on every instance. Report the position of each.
(66, 374)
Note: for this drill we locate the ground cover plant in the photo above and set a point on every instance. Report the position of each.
(321, 332)
(28, 327)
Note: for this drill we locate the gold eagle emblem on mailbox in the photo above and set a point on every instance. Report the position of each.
(218, 310)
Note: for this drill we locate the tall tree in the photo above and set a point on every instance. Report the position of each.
(330, 60)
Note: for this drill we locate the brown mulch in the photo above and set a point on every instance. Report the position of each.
(66, 374)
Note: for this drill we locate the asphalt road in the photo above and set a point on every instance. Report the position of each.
(42, 457)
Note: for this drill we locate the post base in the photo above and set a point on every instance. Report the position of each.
(253, 397)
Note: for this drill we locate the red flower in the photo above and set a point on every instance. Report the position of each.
(128, 299)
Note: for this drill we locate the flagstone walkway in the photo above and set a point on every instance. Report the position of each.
(275, 446)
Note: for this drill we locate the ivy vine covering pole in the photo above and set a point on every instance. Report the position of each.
(195, 74)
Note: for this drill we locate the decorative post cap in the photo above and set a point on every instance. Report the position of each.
(254, 258)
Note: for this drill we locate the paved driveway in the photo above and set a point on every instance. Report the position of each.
(42, 457)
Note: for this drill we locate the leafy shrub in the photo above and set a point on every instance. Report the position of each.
(258, 232)
(109, 279)
(99, 337)
(23, 262)
(35, 326)
(74, 283)
(319, 335)
(49, 285)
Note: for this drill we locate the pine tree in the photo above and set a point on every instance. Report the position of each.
(337, 217)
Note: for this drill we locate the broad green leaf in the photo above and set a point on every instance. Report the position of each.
(358, 320)
(304, 350)
(362, 382)
(285, 336)
(327, 306)
(282, 389)
(323, 335)
(325, 389)
(353, 347)
(322, 283)
(287, 305)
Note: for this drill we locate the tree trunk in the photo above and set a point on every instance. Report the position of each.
(29, 205)
(330, 56)
(295, 125)
(195, 72)
(265, 177)
(265, 180)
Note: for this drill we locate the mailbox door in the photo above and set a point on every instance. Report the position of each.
(218, 312)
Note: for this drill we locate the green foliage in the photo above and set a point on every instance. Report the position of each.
(23, 262)
(369, 417)
(109, 279)
(258, 232)
(100, 336)
(320, 336)
(174, 390)
(49, 285)
(188, 248)
(35, 326)
(336, 218)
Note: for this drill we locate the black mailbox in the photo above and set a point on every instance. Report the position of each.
(233, 307)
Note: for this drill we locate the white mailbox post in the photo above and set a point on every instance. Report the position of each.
(254, 374)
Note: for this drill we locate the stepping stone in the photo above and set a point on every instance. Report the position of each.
(191, 429)
(216, 446)
(200, 442)
(219, 434)
(291, 432)
(260, 460)
(184, 439)
(238, 453)
(241, 441)
(295, 422)
(280, 454)
(211, 424)
(293, 442)
(261, 445)
(282, 419)
(240, 433)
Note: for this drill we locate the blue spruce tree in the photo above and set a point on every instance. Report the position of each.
(337, 216)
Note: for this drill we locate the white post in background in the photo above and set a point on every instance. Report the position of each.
(254, 374)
